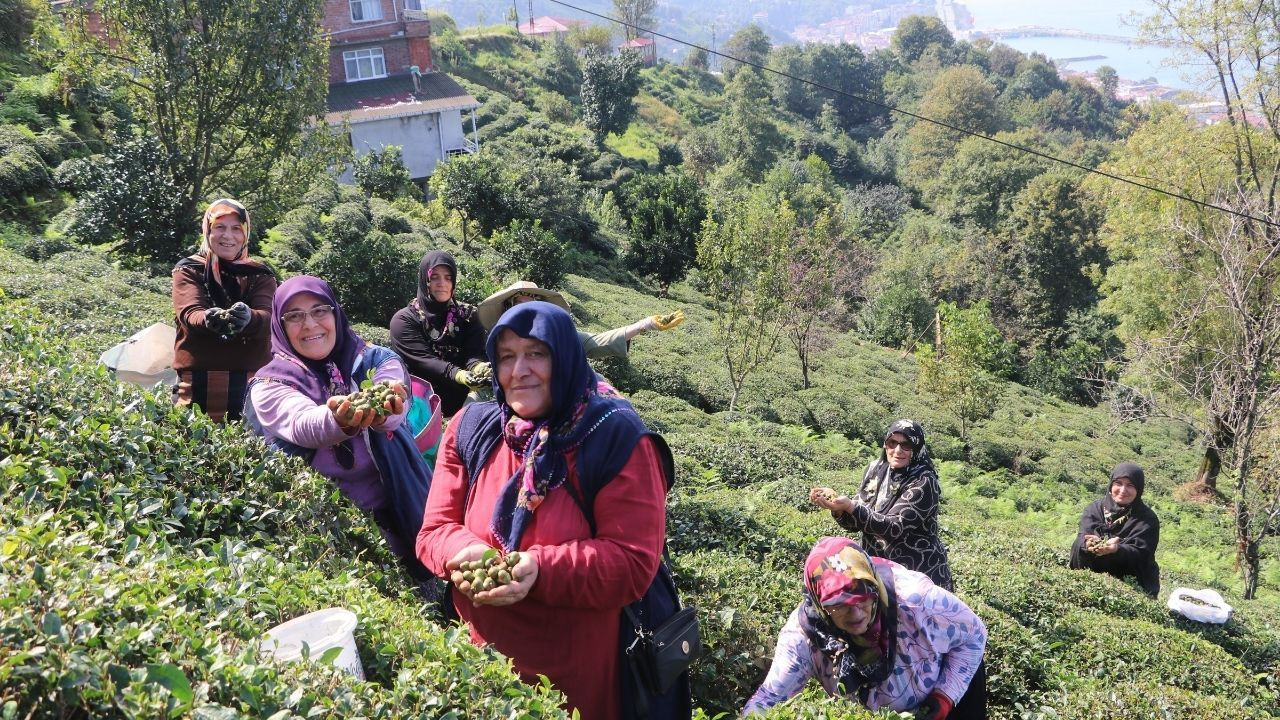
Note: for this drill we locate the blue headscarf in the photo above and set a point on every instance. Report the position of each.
(577, 411)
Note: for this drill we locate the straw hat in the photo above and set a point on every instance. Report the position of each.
(492, 307)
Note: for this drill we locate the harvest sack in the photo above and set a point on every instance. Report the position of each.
(144, 358)
(1205, 606)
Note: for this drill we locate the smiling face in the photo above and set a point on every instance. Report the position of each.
(853, 619)
(1123, 491)
(897, 449)
(440, 283)
(312, 338)
(524, 373)
(226, 235)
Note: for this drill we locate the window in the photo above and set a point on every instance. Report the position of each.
(364, 64)
(412, 4)
(362, 10)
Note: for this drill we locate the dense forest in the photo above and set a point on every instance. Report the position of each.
(940, 231)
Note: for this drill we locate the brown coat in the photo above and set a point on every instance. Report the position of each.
(199, 349)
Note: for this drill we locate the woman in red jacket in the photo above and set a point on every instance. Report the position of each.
(560, 617)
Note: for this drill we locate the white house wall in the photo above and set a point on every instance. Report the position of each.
(419, 137)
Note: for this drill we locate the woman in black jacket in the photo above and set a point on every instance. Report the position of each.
(438, 337)
(896, 507)
(1119, 533)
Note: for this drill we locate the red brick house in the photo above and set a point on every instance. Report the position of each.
(645, 47)
(382, 82)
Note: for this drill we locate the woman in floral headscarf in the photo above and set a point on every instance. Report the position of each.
(438, 337)
(222, 310)
(873, 631)
(896, 508)
(511, 475)
(1119, 533)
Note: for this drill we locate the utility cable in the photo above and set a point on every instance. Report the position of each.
(917, 116)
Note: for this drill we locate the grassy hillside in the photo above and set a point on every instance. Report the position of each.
(138, 540)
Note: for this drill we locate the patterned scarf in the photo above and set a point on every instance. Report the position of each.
(221, 281)
(836, 572)
(578, 409)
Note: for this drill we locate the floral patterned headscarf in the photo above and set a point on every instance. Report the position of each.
(839, 572)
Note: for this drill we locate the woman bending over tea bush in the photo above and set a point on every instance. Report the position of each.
(1119, 533)
(870, 630)
(896, 507)
(570, 478)
(222, 310)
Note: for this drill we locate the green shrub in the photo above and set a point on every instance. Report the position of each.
(529, 252)
(322, 195)
(372, 276)
(22, 170)
(348, 224)
(306, 217)
(382, 173)
(387, 218)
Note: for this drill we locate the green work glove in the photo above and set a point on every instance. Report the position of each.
(482, 371)
(462, 377)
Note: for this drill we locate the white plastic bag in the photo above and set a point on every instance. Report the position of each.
(1214, 610)
(144, 358)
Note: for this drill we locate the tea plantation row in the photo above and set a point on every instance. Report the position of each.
(143, 550)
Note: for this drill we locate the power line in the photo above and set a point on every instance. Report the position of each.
(917, 116)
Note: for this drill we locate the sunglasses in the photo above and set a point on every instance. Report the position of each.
(892, 444)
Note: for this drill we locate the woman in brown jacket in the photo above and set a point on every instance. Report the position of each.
(222, 309)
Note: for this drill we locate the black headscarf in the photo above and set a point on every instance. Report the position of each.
(881, 472)
(1113, 513)
(440, 320)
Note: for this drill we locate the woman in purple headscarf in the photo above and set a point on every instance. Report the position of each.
(298, 404)
(872, 631)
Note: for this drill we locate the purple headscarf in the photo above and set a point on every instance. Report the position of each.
(313, 378)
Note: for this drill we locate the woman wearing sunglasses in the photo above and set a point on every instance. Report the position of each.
(896, 508)
(298, 403)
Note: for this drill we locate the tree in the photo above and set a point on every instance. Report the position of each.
(382, 173)
(743, 256)
(964, 369)
(530, 252)
(979, 182)
(590, 37)
(372, 276)
(841, 67)
(749, 44)
(17, 19)
(918, 33)
(698, 60)
(636, 14)
(609, 86)
(474, 187)
(816, 272)
(747, 133)
(225, 87)
(1108, 81)
(960, 97)
(664, 216)
(126, 197)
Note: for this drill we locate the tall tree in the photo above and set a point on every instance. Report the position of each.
(475, 187)
(226, 87)
(964, 369)
(817, 270)
(747, 133)
(960, 97)
(743, 256)
(636, 13)
(917, 34)
(609, 87)
(664, 216)
(750, 44)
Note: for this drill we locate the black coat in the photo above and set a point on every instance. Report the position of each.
(437, 361)
(1136, 554)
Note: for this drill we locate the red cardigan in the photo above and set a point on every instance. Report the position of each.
(567, 627)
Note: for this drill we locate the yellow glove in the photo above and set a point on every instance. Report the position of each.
(482, 371)
(462, 377)
(666, 322)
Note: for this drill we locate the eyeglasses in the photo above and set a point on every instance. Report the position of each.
(892, 444)
(317, 313)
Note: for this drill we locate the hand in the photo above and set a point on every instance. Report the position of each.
(935, 707)
(482, 371)
(462, 377)
(1107, 547)
(394, 406)
(668, 321)
(217, 321)
(526, 574)
(238, 316)
(825, 497)
(351, 421)
(1090, 542)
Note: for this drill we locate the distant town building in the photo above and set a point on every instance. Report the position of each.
(645, 47)
(549, 27)
(383, 83)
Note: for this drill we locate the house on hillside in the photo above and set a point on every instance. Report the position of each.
(551, 28)
(645, 47)
(383, 84)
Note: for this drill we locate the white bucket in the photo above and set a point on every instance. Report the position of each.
(321, 630)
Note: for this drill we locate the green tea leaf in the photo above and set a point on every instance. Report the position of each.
(171, 678)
